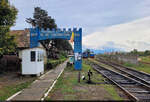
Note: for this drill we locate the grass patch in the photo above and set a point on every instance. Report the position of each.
(139, 67)
(65, 86)
(96, 76)
(111, 90)
(8, 91)
(68, 88)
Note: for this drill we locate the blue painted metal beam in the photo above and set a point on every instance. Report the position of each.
(78, 48)
(37, 35)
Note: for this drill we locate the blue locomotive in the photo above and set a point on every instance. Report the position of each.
(88, 55)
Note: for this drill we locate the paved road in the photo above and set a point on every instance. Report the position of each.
(38, 88)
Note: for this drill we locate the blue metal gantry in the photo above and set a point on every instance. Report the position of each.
(37, 35)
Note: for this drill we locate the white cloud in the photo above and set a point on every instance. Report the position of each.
(127, 36)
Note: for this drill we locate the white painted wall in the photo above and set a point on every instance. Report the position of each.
(35, 67)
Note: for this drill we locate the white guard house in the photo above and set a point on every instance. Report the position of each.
(33, 61)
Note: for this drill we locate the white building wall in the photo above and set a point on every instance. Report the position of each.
(32, 67)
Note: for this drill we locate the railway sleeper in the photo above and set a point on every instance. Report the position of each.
(117, 78)
(141, 92)
(125, 82)
(142, 97)
(129, 85)
(137, 90)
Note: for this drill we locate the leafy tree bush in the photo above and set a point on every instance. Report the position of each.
(140, 53)
(7, 19)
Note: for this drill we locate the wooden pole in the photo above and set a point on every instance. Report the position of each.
(79, 77)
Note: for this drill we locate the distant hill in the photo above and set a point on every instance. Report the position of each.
(97, 51)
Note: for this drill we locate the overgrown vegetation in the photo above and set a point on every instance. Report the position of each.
(145, 59)
(52, 63)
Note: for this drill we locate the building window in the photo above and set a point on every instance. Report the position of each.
(40, 56)
(33, 56)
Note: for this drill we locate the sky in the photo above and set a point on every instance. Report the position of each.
(120, 25)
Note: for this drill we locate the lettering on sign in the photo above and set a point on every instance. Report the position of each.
(34, 34)
(55, 33)
(77, 35)
(59, 34)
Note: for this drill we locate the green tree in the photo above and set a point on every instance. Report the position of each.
(134, 52)
(63, 45)
(42, 20)
(7, 19)
(147, 52)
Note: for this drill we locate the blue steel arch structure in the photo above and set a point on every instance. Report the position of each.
(37, 35)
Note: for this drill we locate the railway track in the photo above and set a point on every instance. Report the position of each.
(137, 75)
(136, 90)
